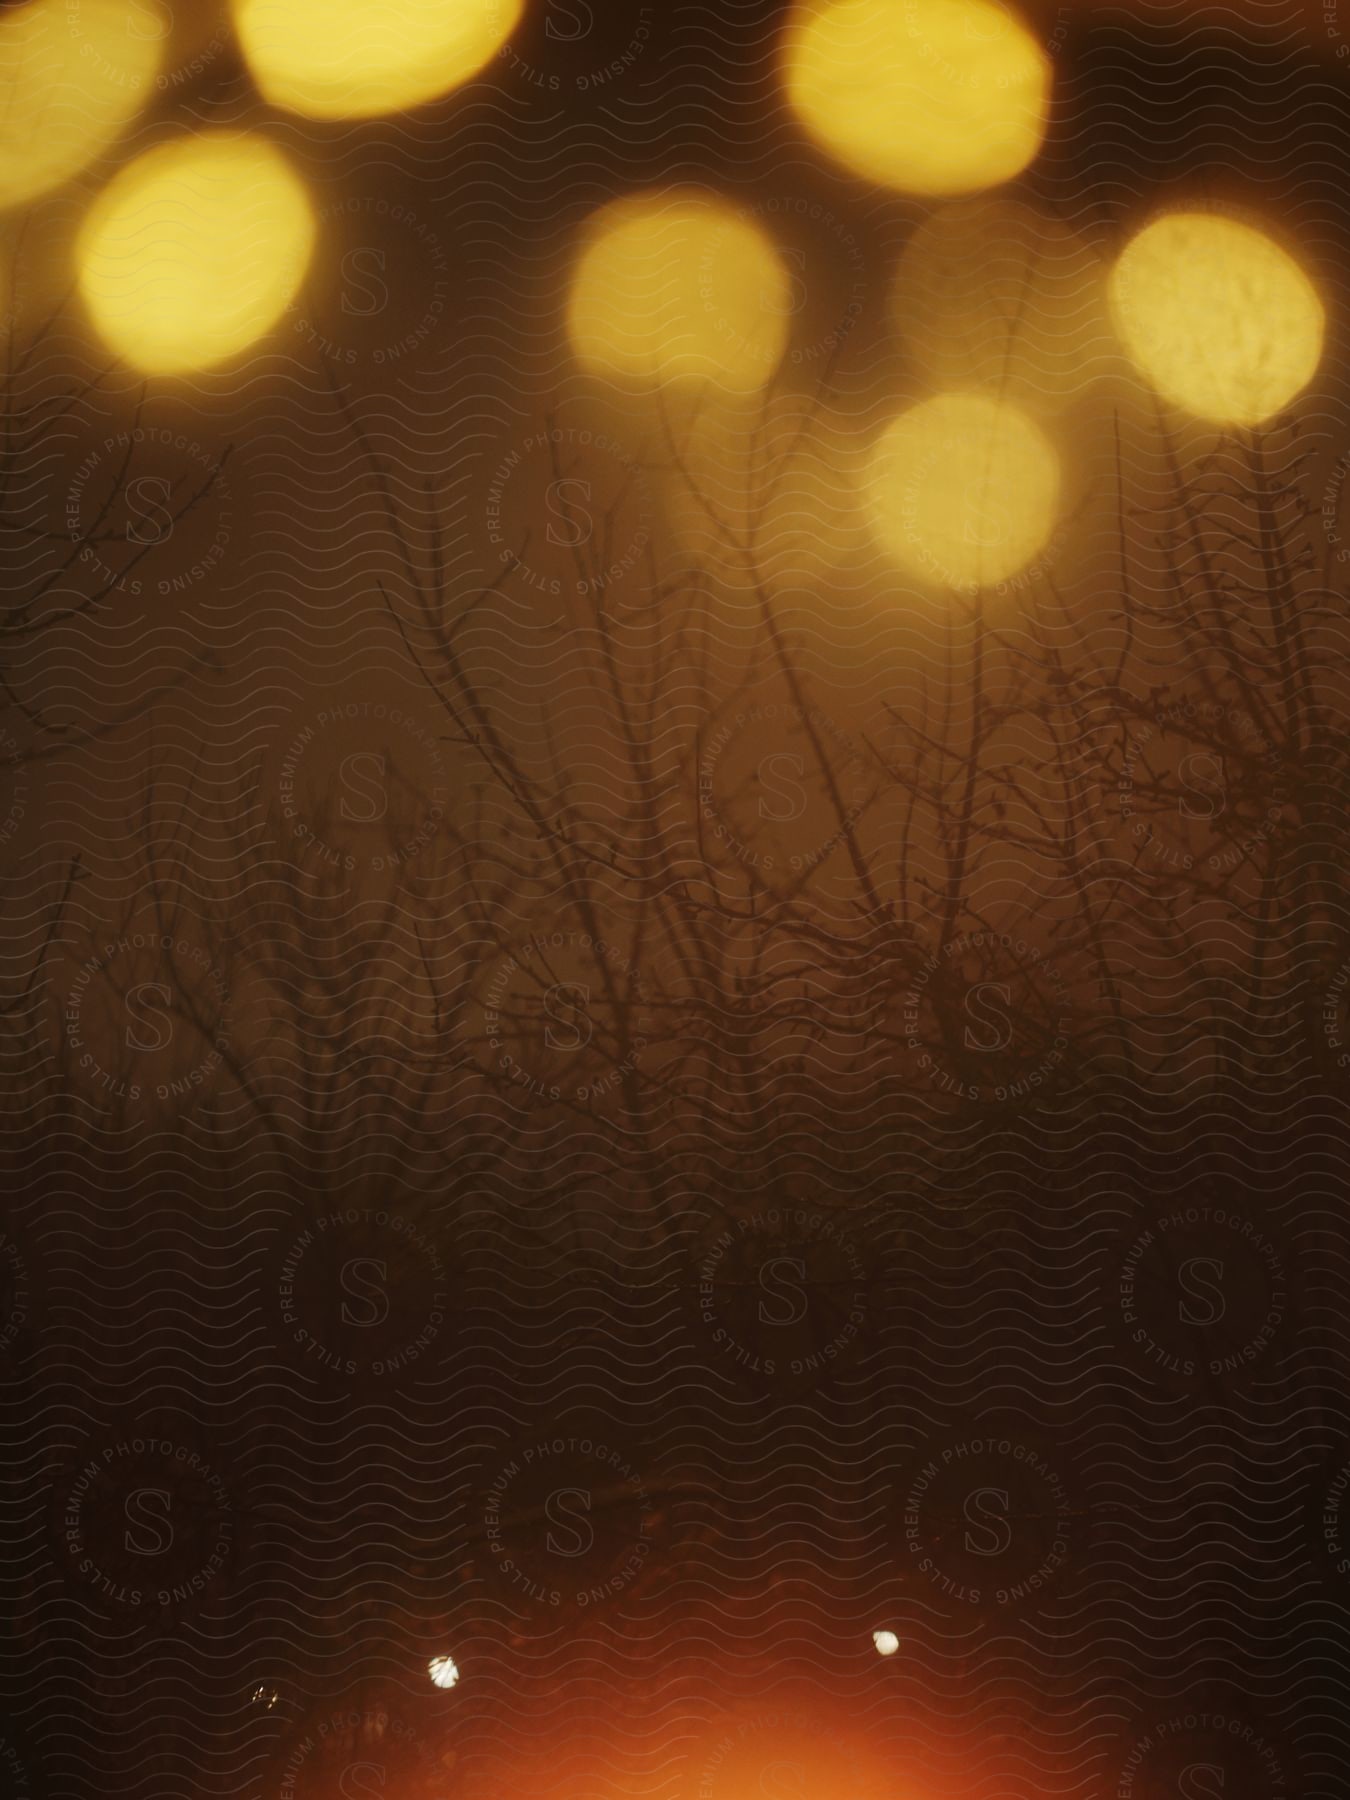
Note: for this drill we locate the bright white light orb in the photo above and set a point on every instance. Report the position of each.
(444, 1671)
(887, 1642)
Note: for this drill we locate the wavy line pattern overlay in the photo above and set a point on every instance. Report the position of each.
(676, 992)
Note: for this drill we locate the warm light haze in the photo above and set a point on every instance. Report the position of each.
(990, 291)
(768, 492)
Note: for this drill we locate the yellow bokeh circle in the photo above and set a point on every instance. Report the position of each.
(1221, 320)
(358, 59)
(673, 285)
(963, 491)
(193, 251)
(73, 74)
(934, 97)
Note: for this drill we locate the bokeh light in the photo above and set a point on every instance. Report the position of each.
(963, 490)
(444, 1671)
(675, 285)
(1217, 316)
(887, 1642)
(932, 97)
(194, 250)
(357, 59)
(992, 292)
(73, 77)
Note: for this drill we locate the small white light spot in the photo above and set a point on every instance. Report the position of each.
(443, 1670)
(887, 1642)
